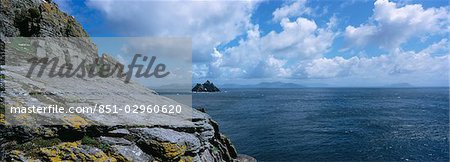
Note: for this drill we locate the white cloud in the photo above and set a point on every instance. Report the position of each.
(360, 36)
(199, 70)
(253, 60)
(268, 56)
(328, 68)
(412, 65)
(271, 67)
(297, 8)
(208, 23)
(297, 51)
(392, 25)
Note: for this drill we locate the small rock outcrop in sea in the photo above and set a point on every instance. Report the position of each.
(205, 87)
(87, 137)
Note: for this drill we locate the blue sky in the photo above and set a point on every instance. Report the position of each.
(337, 43)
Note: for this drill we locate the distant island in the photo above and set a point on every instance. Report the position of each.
(205, 87)
(280, 85)
(399, 85)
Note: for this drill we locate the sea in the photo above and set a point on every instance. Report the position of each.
(333, 124)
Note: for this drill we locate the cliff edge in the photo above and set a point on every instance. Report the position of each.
(88, 137)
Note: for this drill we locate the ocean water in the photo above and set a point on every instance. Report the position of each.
(334, 124)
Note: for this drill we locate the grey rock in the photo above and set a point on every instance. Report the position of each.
(115, 141)
(119, 132)
(168, 135)
(126, 149)
(206, 156)
(245, 158)
(132, 153)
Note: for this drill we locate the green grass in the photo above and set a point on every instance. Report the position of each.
(86, 140)
(2, 108)
(31, 148)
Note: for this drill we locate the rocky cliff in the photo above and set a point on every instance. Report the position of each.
(205, 87)
(87, 137)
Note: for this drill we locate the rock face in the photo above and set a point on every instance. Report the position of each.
(205, 87)
(90, 137)
(37, 18)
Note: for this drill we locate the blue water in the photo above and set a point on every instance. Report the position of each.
(334, 124)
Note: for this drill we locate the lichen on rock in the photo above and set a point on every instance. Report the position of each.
(74, 151)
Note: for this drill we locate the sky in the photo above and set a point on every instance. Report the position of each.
(308, 42)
